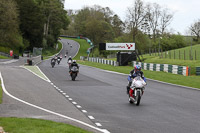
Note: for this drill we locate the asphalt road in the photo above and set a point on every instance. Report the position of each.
(164, 108)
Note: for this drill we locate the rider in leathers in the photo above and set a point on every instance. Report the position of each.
(134, 73)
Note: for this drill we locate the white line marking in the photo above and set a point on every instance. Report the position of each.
(74, 102)
(84, 111)
(35, 73)
(78, 106)
(54, 86)
(51, 112)
(66, 96)
(70, 99)
(43, 74)
(98, 124)
(64, 93)
(91, 117)
(61, 91)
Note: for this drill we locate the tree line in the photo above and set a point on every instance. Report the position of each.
(146, 24)
(25, 24)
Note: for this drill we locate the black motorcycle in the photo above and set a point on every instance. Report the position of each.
(58, 60)
(53, 62)
(74, 72)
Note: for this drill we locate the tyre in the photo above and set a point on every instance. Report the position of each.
(73, 76)
(137, 98)
(130, 101)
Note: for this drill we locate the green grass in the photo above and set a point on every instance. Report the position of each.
(182, 53)
(47, 53)
(1, 93)
(35, 70)
(190, 81)
(4, 57)
(83, 47)
(29, 125)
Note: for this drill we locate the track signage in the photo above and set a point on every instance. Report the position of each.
(120, 46)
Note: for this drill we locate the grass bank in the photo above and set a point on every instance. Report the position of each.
(83, 47)
(4, 57)
(47, 53)
(29, 125)
(190, 81)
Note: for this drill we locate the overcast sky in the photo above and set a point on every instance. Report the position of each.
(185, 11)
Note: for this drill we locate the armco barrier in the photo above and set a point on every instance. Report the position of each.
(182, 70)
(99, 60)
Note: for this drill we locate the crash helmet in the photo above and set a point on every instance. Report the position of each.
(137, 68)
(74, 61)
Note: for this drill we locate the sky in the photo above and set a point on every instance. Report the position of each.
(186, 12)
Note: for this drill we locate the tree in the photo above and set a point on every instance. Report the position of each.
(135, 16)
(153, 15)
(165, 19)
(118, 25)
(195, 29)
(31, 22)
(9, 25)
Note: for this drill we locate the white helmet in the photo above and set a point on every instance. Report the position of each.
(74, 61)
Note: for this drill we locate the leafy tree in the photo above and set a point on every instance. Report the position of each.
(9, 25)
(31, 22)
(118, 26)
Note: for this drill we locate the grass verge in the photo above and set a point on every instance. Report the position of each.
(190, 81)
(29, 125)
(4, 57)
(83, 47)
(35, 70)
(47, 53)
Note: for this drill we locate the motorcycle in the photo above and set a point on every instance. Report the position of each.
(136, 90)
(69, 63)
(53, 62)
(74, 72)
(58, 61)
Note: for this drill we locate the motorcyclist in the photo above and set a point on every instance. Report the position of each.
(54, 59)
(73, 64)
(70, 58)
(134, 73)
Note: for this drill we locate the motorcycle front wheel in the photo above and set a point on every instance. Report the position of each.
(137, 98)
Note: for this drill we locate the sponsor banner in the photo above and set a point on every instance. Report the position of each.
(120, 46)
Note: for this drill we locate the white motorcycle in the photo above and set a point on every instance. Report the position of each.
(136, 90)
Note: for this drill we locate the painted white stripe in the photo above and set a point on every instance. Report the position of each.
(51, 112)
(70, 99)
(78, 106)
(98, 124)
(61, 91)
(66, 96)
(84, 111)
(64, 93)
(74, 102)
(36, 74)
(43, 74)
(91, 117)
